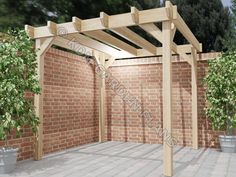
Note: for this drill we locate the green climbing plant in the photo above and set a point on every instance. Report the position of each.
(221, 92)
(17, 77)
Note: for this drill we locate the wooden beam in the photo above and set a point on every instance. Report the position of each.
(186, 32)
(178, 23)
(136, 39)
(157, 34)
(183, 54)
(102, 100)
(124, 32)
(153, 30)
(96, 45)
(143, 53)
(72, 45)
(153, 15)
(77, 45)
(171, 10)
(92, 25)
(167, 97)
(52, 28)
(194, 100)
(135, 15)
(187, 48)
(109, 39)
(114, 21)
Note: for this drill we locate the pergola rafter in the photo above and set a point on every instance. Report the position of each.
(90, 38)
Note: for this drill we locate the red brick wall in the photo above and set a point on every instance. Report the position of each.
(144, 81)
(71, 103)
(70, 109)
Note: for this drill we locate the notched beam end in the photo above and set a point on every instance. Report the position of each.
(52, 27)
(135, 14)
(104, 19)
(168, 4)
(77, 23)
(200, 46)
(171, 10)
(29, 30)
(174, 12)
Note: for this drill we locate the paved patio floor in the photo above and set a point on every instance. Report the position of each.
(121, 159)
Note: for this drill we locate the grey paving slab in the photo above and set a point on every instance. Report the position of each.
(126, 159)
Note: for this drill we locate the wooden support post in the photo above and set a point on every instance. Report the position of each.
(167, 96)
(102, 99)
(194, 100)
(38, 103)
(41, 46)
(100, 59)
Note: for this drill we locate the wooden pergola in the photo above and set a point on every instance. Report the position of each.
(105, 48)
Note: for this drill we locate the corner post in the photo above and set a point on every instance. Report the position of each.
(38, 102)
(102, 88)
(167, 97)
(194, 99)
(41, 46)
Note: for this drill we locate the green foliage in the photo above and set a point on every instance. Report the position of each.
(221, 92)
(230, 40)
(17, 76)
(208, 20)
(15, 14)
